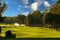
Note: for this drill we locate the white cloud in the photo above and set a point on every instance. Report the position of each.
(26, 6)
(34, 6)
(25, 13)
(20, 7)
(46, 4)
(40, 2)
(25, 1)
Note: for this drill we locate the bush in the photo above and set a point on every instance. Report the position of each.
(10, 35)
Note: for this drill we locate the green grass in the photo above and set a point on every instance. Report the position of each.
(30, 32)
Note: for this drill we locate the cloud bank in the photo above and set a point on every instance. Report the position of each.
(34, 5)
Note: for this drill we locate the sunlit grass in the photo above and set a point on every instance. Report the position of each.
(33, 32)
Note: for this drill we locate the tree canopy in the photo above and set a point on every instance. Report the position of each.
(55, 9)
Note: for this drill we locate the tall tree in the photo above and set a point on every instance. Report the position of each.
(58, 1)
(2, 9)
(21, 19)
(55, 9)
(35, 18)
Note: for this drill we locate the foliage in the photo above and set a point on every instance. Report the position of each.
(2, 9)
(55, 9)
(10, 20)
(53, 19)
(34, 18)
(21, 19)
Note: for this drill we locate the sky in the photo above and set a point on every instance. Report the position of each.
(16, 7)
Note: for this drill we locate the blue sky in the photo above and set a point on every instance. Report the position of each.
(15, 7)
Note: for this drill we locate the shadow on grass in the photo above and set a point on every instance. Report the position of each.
(3, 38)
(9, 36)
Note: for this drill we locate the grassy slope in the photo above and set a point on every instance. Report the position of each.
(33, 32)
